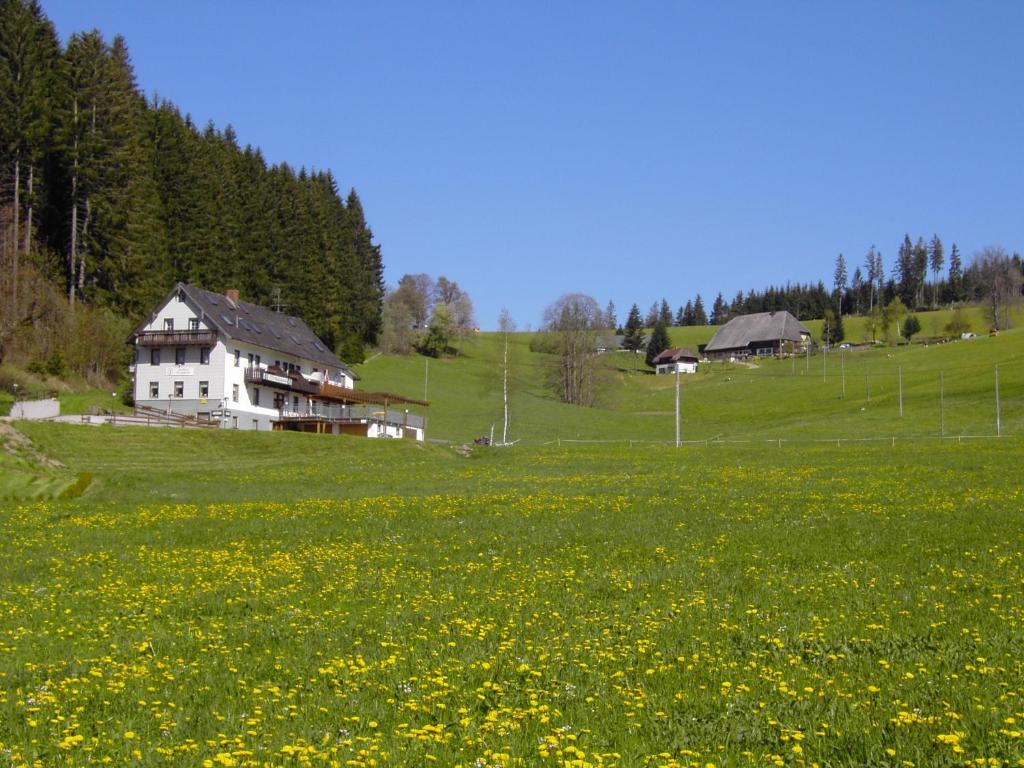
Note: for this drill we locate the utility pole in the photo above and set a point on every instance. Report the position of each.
(942, 406)
(899, 371)
(998, 425)
(677, 405)
(842, 365)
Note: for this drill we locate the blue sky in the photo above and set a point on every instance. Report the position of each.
(631, 151)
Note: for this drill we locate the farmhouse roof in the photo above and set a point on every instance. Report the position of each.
(675, 355)
(741, 331)
(253, 324)
(615, 342)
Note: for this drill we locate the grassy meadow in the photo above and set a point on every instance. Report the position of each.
(843, 394)
(769, 597)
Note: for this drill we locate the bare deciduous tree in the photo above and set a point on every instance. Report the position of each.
(996, 278)
(574, 320)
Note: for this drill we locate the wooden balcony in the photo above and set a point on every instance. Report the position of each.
(176, 339)
(281, 379)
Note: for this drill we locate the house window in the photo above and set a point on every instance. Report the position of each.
(204, 389)
(295, 403)
(238, 357)
(193, 323)
(154, 389)
(255, 396)
(256, 424)
(257, 361)
(169, 324)
(179, 389)
(234, 422)
(204, 355)
(234, 393)
(154, 356)
(179, 355)
(250, 359)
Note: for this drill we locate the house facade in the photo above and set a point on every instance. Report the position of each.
(222, 360)
(676, 360)
(759, 334)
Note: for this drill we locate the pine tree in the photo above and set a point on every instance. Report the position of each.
(700, 317)
(652, 316)
(633, 339)
(680, 318)
(956, 275)
(688, 317)
(937, 261)
(871, 266)
(905, 272)
(658, 342)
(719, 310)
(920, 270)
(664, 314)
(29, 69)
(857, 289)
(839, 280)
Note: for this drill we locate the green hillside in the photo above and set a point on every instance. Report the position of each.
(842, 394)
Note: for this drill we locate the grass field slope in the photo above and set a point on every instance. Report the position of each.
(867, 392)
(812, 579)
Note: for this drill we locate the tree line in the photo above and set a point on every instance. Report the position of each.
(111, 198)
(921, 277)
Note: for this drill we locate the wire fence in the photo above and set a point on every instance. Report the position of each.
(836, 441)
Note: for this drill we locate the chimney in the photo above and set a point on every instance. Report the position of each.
(232, 293)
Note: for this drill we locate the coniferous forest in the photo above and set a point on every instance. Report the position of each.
(108, 198)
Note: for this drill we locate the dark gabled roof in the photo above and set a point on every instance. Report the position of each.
(615, 342)
(741, 331)
(674, 355)
(253, 324)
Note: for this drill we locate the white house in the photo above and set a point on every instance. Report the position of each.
(676, 360)
(219, 359)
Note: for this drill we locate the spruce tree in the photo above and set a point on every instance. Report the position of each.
(658, 342)
(839, 280)
(29, 81)
(719, 310)
(633, 339)
(936, 260)
(700, 317)
(956, 275)
(665, 314)
(688, 316)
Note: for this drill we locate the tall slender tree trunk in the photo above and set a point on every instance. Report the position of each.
(81, 257)
(17, 213)
(73, 247)
(31, 207)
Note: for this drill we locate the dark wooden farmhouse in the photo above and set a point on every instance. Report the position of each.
(763, 333)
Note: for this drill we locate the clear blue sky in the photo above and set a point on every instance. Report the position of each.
(631, 151)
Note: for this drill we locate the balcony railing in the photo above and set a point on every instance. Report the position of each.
(354, 413)
(177, 338)
(280, 379)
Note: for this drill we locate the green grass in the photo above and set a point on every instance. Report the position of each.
(205, 598)
(89, 400)
(284, 599)
(852, 394)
